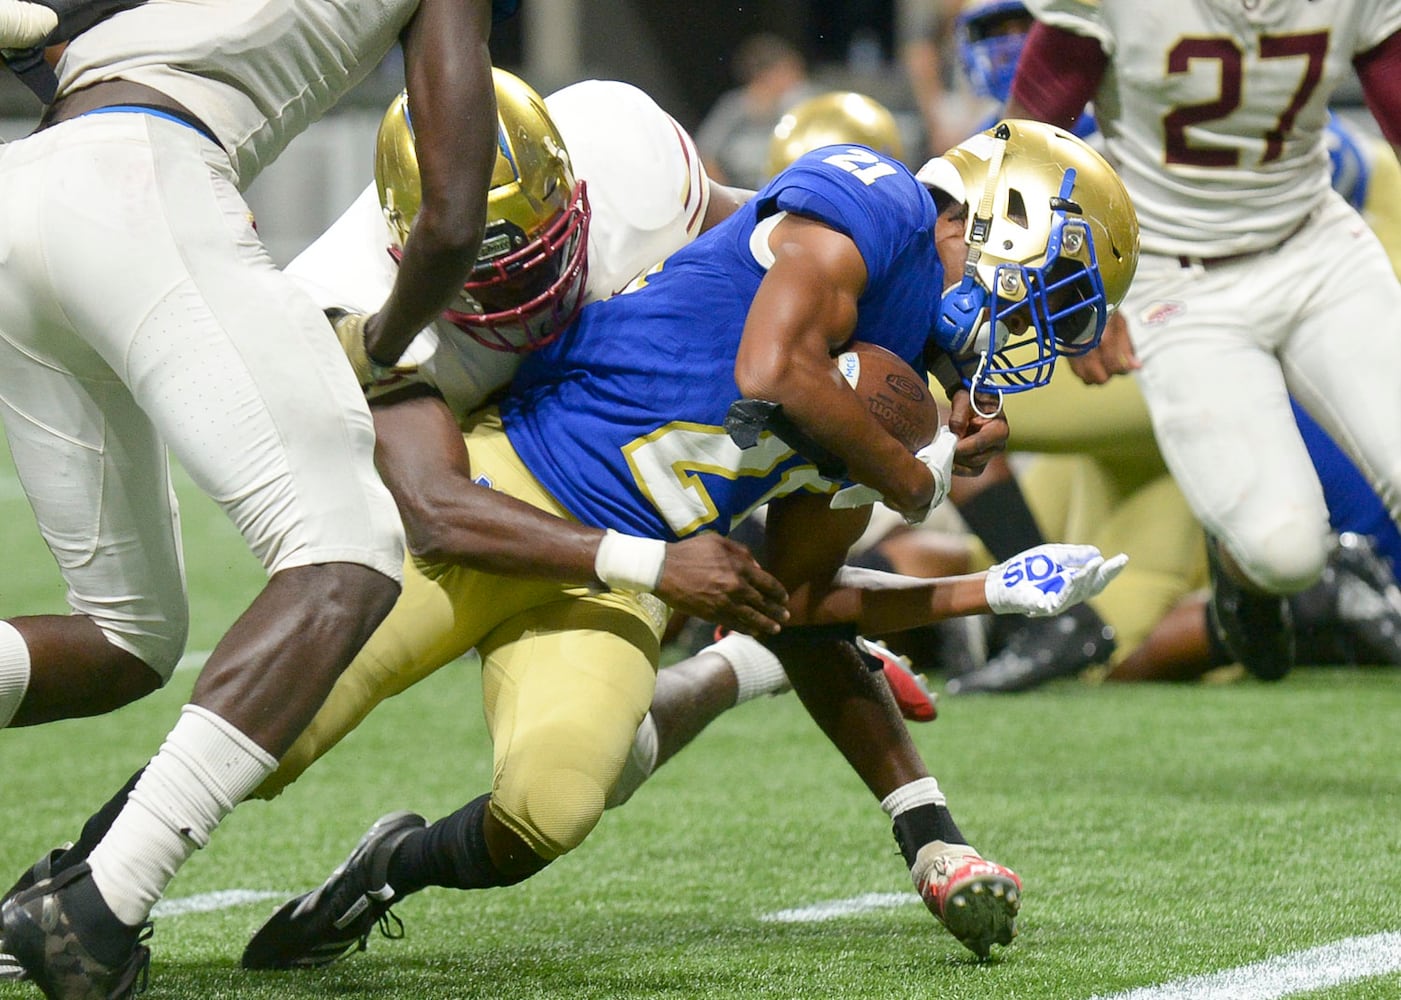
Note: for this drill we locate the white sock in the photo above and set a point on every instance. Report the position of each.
(14, 671)
(920, 792)
(204, 768)
(756, 669)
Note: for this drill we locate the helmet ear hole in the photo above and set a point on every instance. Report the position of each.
(960, 312)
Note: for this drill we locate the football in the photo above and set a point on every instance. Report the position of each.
(896, 394)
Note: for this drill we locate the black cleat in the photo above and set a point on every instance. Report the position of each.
(1041, 650)
(1368, 600)
(10, 969)
(1256, 629)
(320, 926)
(71, 944)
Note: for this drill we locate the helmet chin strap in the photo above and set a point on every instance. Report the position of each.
(974, 389)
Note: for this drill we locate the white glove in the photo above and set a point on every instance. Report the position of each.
(937, 455)
(1047, 579)
(25, 25)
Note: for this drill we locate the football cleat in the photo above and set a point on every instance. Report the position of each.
(1041, 650)
(10, 969)
(71, 944)
(321, 926)
(917, 703)
(1256, 629)
(976, 899)
(1368, 600)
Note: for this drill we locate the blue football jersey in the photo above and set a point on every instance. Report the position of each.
(621, 418)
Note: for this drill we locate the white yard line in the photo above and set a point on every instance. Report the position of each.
(210, 902)
(1284, 975)
(1272, 979)
(834, 908)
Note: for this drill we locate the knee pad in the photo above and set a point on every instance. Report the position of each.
(1282, 558)
(553, 811)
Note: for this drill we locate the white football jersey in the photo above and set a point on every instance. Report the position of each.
(256, 73)
(648, 194)
(1213, 111)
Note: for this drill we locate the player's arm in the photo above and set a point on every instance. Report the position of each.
(449, 518)
(1057, 74)
(1379, 72)
(447, 71)
(807, 544)
(724, 201)
(804, 310)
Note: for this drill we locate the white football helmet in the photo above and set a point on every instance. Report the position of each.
(1052, 246)
(529, 279)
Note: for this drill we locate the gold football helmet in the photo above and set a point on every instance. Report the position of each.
(528, 282)
(840, 116)
(1052, 246)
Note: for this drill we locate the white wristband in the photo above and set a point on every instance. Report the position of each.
(626, 562)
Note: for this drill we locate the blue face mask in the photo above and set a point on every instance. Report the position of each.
(1007, 337)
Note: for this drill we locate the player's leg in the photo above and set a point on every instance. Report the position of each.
(231, 363)
(97, 480)
(564, 688)
(977, 900)
(692, 694)
(1212, 364)
(94, 472)
(1339, 355)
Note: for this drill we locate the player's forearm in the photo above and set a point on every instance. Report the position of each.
(1379, 72)
(879, 603)
(814, 398)
(1057, 75)
(489, 531)
(452, 102)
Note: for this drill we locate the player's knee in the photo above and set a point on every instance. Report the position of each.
(1287, 558)
(155, 644)
(555, 813)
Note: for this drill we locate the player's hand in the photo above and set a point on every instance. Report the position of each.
(1047, 579)
(717, 579)
(350, 331)
(1114, 355)
(937, 457)
(24, 25)
(982, 431)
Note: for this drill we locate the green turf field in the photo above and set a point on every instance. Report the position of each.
(1162, 833)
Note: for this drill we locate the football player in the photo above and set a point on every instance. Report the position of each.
(620, 424)
(164, 114)
(1113, 489)
(1240, 209)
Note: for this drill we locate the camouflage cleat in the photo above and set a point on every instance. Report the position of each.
(10, 969)
(71, 944)
(976, 899)
(321, 926)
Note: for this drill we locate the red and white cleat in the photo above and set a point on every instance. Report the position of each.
(917, 703)
(976, 899)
